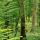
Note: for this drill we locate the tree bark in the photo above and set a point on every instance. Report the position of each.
(33, 15)
(21, 5)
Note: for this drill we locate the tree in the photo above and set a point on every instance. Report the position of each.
(33, 15)
(21, 5)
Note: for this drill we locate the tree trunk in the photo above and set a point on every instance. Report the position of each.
(33, 15)
(22, 28)
(22, 37)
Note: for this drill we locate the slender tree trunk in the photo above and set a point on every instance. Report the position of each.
(33, 15)
(22, 20)
(22, 28)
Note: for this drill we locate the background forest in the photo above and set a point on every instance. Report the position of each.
(19, 19)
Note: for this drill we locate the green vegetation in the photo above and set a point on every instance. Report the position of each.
(19, 19)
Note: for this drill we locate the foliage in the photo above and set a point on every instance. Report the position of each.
(9, 11)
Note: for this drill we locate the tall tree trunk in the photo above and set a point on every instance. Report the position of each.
(21, 4)
(23, 28)
(33, 15)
